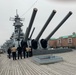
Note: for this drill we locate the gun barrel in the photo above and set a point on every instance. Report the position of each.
(25, 33)
(32, 33)
(45, 25)
(59, 25)
(30, 24)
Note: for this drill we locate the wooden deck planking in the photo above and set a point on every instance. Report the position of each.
(27, 67)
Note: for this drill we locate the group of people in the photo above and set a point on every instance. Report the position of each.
(19, 52)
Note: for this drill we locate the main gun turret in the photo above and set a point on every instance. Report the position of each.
(44, 41)
(35, 41)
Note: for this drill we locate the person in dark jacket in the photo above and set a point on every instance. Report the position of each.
(24, 51)
(19, 52)
(24, 48)
(9, 52)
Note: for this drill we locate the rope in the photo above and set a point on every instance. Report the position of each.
(30, 7)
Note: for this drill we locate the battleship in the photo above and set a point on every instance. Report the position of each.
(39, 46)
(18, 37)
(39, 64)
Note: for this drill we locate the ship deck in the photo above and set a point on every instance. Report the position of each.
(27, 67)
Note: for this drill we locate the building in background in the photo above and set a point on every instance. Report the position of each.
(68, 41)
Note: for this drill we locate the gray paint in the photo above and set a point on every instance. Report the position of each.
(59, 25)
(45, 25)
(30, 24)
(45, 51)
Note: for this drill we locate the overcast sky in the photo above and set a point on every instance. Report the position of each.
(45, 7)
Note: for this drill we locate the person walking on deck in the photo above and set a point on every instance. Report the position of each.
(30, 52)
(24, 49)
(23, 46)
(19, 52)
(13, 50)
(9, 52)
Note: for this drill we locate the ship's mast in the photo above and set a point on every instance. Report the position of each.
(17, 35)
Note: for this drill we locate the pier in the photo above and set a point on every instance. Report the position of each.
(28, 67)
